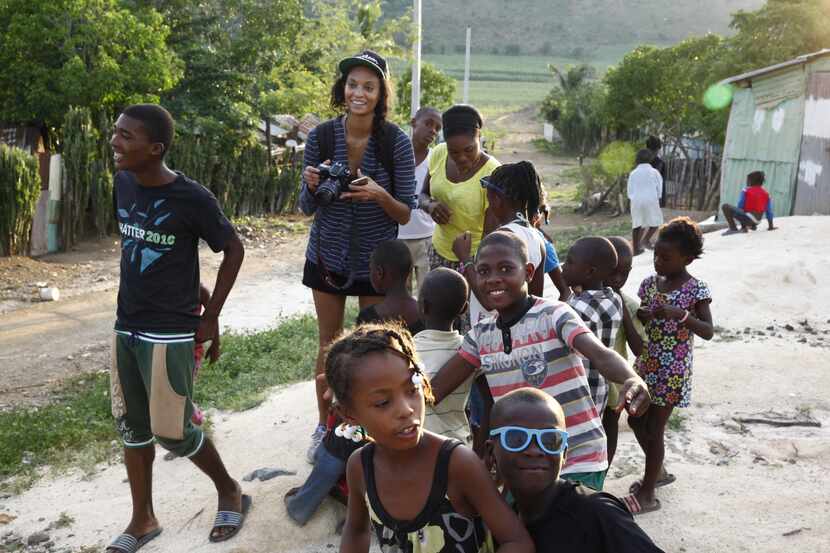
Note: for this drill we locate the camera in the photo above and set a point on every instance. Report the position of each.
(334, 180)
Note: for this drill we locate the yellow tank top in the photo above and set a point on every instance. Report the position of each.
(467, 200)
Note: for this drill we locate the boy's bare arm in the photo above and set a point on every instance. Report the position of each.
(559, 281)
(612, 366)
(450, 377)
(632, 337)
(234, 253)
(356, 534)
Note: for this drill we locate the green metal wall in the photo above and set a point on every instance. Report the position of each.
(765, 138)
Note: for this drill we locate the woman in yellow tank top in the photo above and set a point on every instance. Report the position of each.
(452, 192)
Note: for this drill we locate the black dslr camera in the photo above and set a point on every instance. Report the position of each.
(334, 180)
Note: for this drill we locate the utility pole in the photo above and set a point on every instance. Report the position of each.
(416, 61)
(466, 95)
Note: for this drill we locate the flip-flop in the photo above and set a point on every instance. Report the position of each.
(635, 508)
(130, 544)
(230, 519)
(665, 481)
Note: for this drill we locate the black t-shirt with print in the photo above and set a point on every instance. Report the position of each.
(579, 520)
(160, 230)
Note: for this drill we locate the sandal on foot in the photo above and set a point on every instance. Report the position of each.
(665, 481)
(636, 508)
(130, 544)
(230, 519)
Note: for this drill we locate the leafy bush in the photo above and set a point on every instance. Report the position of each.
(88, 175)
(617, 159)
(437, 90)
(19, 192)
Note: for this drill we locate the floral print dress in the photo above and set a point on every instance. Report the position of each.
(666, 362)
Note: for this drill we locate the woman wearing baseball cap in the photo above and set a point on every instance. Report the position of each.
(351, 219)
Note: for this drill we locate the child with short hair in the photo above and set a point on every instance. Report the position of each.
(536, 342)
(753, 204)
(645, 188)
(390, 268)
(590, 261)
(442, 298)
(417, 233)
(630, 334)
(417, 490)
(674, 307)
(529, 431)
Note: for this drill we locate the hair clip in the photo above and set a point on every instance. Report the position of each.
(355, 433)
(418, 379)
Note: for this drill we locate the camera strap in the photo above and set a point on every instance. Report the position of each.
(384, 153)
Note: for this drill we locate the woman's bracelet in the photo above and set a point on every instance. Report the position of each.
(683, 320)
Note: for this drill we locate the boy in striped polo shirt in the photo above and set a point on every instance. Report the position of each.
(534, 342)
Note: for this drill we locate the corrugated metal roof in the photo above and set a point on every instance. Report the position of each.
(800, 60)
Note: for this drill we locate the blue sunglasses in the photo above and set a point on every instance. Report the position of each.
(517, 438)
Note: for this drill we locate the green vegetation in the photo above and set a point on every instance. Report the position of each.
(661, 90)
(437, 90)
(76, 428)
(19, 191)
(677, 421)
(564, 28)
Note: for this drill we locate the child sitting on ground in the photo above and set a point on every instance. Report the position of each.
(590, 261)
(418, 491)
(442, 298)
(674, 307)
(528, 444)
(630, 334)
(753, 204)
(534, 342)
(390, 268)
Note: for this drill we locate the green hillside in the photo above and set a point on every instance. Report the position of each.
(592, 30)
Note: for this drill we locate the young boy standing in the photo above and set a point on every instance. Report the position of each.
(590, 261)
(162, 215)
(443, 297)
(528, 444)
(535, 342)
(417, 233)
(753, 204)
(645, 188)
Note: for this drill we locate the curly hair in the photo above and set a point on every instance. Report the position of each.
(685, 234)
(342, 358)
(522, 185)
(338, 102)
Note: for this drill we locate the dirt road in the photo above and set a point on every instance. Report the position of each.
(43, 343)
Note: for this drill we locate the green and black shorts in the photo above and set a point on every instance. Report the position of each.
(151, 381)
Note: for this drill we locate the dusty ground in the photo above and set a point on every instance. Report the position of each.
(740, 487)
(42, 343)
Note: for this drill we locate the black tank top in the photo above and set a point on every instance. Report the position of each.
(437, 528)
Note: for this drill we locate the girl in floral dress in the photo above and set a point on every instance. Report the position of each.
(674, 307)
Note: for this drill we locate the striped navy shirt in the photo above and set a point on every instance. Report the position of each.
(334, 223)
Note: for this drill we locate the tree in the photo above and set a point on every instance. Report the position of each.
(92, 53)
(777, 32)
(437, 90)
(576, 108)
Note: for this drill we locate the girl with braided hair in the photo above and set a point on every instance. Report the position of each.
(418, 491)
(514, 194)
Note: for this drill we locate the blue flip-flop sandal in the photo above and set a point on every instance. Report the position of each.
(130, 544)
(230, 519)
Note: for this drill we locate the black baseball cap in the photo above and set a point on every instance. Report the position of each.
(366, 58)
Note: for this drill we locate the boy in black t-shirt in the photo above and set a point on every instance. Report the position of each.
(162, 215)
(527, 446)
